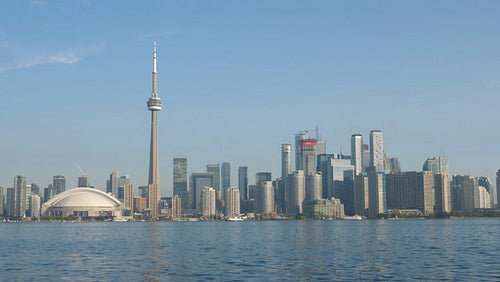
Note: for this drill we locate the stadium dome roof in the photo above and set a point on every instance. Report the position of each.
(83, 197)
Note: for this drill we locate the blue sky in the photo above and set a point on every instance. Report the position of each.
(238, 78)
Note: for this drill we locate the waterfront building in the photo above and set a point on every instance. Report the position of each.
(498, 188)
(154, 105)
(463, 189)
(437, 165)
(295, 192)
(35, 205)
(112, 183)
(298, 150)
(361, 194)
(226, 177)
(207, 202)
(262, 176)
(28, 197)
(2, 201)
(314, 186)
(140, 203)
(251, 191)
(395, 165)
(442, 192)
(82, 202)
(376, 193)
(128, 197)
(357, 153)
(264, 197)
(48, 193)
(243, 182)
(377, 150)
(286, 160)
(176, 207)
(280, 194)
(215, 170)
(484, 199)
(323, 208)
(10, 202)
(20, 194)
(488, 185)
(58, 184)
(232, 202)
(83, 181)
(410, 190)
(198, 182)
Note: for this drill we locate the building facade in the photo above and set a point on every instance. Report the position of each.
(243, 182)
(198, 182)
(232, 202)
(176, 207)
(264, 197)
(295, 192)
(357, 153)
(286, 160)
(225, 173)
(215, 170)
(377, 150)
(207, 199)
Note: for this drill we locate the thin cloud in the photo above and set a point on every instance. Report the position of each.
(153, 35)
(70, 56)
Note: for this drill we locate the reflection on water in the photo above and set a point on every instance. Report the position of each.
(260, 250)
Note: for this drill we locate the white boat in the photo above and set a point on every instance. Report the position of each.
(234, 219)
(119, 219)
(354, 217)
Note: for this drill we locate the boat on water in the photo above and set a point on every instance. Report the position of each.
(234, 219)
(354, 217)
(119, 219)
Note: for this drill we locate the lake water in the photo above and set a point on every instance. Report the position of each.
(467, 250)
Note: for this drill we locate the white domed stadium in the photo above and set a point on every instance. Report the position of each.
(83, 202)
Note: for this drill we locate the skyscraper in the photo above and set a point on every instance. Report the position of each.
(314, 186)
(180, 175)
(20, 196)
(215, 170)
(308, 154)
(176, 207)
(2, 201)
(498, 188)
(295, 192)
(264, 197)
(298, 152)
(225, 172)
(376, 193)
(377, 149)
(357, 153)
(243, 182)
(207, 199)
(83, 181)
(286, 160)
(262, 176)
(198, 182)
(154, 105)
(10, 202)
(437, 165)
(59, 184)
(112, 183)
(366, 157)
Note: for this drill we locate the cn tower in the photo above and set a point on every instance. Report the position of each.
(154, 105)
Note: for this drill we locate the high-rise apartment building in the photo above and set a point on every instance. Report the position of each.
(232, 202)
(207, 199)
(442, 192)
(286, 160)
(376, 193)
(410, 190)
(361, 194)
(437, 165)
(83, 181)
(176, 207)
(308, 154)
(20, 194)
(10, 202)
(215, 170)
(462, 192)
(377, 150)
(485, 182)
(2, 201)
(314, 186)
(366, 157)
(35, 206)
(112, 183)
(264, 197)
(198, 182)
(58, 184)
(225, 173)
(498, 188)
(262, 176)
(295, 192)
(243, 182)
(298, 150)
(128, 197)
(357, 153)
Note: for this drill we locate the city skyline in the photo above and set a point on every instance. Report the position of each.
(67, 118)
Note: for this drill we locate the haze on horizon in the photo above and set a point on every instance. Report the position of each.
(237, 79)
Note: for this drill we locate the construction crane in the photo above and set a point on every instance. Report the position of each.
(81, 170)
(311, 130)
